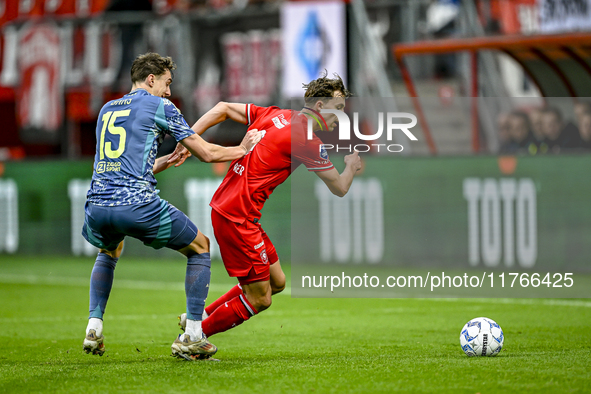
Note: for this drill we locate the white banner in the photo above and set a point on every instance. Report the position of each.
(8, 216)
(564, 15)
(314, 39)
(40, 92)
(198, 193)
(77, 189)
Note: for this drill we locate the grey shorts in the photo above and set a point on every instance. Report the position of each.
(157, 224)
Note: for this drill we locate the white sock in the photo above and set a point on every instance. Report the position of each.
(95, 324)
(193, 329)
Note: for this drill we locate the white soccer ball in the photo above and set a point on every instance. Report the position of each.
(482, 337)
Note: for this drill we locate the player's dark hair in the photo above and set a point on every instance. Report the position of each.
(150, 63)
(324, 88)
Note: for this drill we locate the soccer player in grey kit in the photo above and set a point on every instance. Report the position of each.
(123, 199)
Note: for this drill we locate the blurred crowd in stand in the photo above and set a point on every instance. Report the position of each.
(187, 5)
(545, 130)
(165, 6)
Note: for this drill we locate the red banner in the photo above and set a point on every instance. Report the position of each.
(40, 91)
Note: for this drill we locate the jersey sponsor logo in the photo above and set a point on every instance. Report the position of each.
(264, 257)
(238, 169)
(116, 166)
(259, 245)
(104, 166)
(280, 121)
(323, 153)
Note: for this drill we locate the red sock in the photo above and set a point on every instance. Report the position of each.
(229, 315)
(232, 293)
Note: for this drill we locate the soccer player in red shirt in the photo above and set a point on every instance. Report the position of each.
(246, 250)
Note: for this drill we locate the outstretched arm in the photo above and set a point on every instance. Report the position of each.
(219, 113)
(207, 152)
(212, 153)
(339, 184)
(164, 162)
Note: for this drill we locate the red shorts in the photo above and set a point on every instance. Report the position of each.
(246, 249)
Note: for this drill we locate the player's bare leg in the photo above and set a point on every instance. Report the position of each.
(277, 286)
(277, 278)
(258, 294)
(238, 304)
(199, 245)
(256, 298)
(234, 313)
(229, 295)
(277, 283)
(101, 282)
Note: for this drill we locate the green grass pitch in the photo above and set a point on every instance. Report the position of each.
(299, 345)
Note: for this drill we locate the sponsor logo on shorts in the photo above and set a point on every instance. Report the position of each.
(264, 257)
(259, 245)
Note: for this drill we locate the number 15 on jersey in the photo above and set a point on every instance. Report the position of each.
(106, 148)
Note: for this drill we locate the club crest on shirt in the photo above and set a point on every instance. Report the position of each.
(264, 257)
(323, 153)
